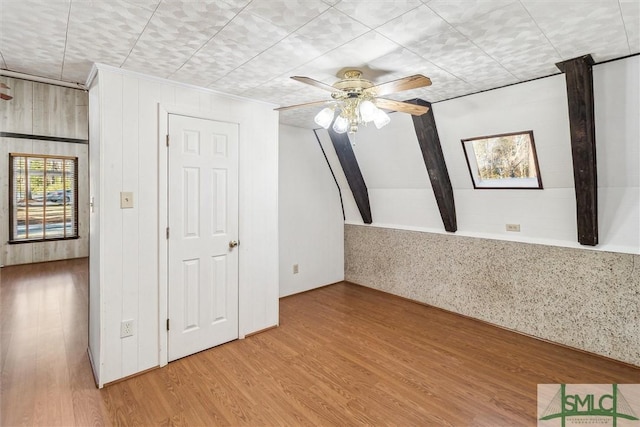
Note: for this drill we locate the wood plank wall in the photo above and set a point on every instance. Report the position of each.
(53, 111)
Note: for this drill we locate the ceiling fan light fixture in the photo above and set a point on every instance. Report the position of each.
(367, 111)
(341, 124)
(381, 119)
(324, 117)
(358, 101)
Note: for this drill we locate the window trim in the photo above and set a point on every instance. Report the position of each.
(12, 240)
(475, 179)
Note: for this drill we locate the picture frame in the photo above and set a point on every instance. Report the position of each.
(504, 161)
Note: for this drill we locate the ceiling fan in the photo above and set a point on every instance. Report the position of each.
(5, 96)
(358, 101)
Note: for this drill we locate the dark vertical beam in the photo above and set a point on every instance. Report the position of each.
(352, 172)
(427, 133)
(326, 159)
(579, 76)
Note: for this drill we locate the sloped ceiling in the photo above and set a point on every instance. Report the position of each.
(251, 47)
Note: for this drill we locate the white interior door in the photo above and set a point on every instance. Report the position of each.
(203, 221)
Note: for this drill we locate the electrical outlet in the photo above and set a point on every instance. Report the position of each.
(295, 269)
(513, 227)
(126, 328)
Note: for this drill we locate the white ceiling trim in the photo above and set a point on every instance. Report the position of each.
(24, 76)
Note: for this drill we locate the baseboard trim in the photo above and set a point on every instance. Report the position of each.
(313, 289)
(93, 369)
(128, 377)
(261, 331)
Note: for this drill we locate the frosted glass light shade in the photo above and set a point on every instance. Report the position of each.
(367, 111)
(341, 125)
(381, 119)
(324, 117)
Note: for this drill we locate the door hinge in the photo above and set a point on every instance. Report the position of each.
(167, 232)
(167, 140)
(167, 324)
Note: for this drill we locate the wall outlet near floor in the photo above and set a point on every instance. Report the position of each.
(295, 269)
(513, 227)
(126, 328)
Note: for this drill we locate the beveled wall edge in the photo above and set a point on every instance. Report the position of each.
(582, 298)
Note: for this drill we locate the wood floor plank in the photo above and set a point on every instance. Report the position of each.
(343, 355)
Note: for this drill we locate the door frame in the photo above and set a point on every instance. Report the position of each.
(164, 110)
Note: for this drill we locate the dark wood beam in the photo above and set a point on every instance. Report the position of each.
(349, 164)
(427, 133)
(579, 77)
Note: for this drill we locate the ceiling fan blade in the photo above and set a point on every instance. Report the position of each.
(403, 107)
(315, 83)
(307, 104)
(5, 96)
(406, 83)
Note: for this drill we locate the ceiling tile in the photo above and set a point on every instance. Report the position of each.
(103, 32)
(413, 26)
(511, 37)
(456, 12)
(176, 32)
(32, 35)
(242, 39)
(252, 47)
(631, 16)
(287, 14)
(302, 117)
(354, 54)
(374, 13)
(400, 63)
(282, 58)
(242, 80)
(331, 30)
(238, 3)
(455, 54)
(324, 33)
(577, 28)
(215, 60)
(284, 87)
(444, 86)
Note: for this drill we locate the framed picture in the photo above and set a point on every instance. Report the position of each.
(505, 161)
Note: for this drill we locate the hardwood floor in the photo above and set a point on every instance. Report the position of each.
(343, 355)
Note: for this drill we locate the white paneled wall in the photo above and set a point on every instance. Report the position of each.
(126, 259)
(311, 222)
(401, 195)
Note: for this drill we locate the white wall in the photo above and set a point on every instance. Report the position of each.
(95, 269)
(128, 274)
(311, 222)
(616, 88)
(401, 195)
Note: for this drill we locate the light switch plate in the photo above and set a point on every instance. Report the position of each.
(126, 200)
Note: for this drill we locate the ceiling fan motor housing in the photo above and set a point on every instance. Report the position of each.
(353, 82)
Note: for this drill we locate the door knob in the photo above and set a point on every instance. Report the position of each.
(233, 244)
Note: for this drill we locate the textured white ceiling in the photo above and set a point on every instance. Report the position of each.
(251, 47)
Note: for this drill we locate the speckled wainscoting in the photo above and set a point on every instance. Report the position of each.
(581, 298)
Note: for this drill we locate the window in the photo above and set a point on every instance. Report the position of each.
(503, 161)
(43, 197)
